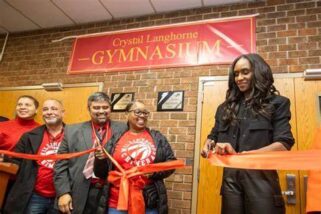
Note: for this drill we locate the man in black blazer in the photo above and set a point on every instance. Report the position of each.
(77, 187)
(33, 190)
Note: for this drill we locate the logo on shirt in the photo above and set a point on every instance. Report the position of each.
(49, 149)
(139, 152)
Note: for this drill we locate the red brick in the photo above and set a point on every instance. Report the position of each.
(287, 33)
(307, 18)
(266, 9)
(267, 48)
(265, 22)
(182, 204)
(247, 12)
(288, 61)
(275, 2)
(315, 52)
(301, 39)
(175, 195)
(277, 55)
(314, 24)
(178, 146)
(297, 68)
(293, 54)
(287, 47)
(286, 20)
(296, 26)
(315, 38)
(308, 32)
(305, 5)
(276, 15)
(187, 195)
(298, 12)
(276, 28)
(309, 60)
(277, 41)
(314, 10)
(308, 46)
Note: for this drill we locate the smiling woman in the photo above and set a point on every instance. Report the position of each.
(254, 117)
(11, 131)
(138, 146)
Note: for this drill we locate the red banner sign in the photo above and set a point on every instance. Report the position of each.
(189, 44)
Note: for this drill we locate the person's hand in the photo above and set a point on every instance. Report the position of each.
(1, 157)
(224, 149)
(100, 154)
(208, 146)
(65, 203)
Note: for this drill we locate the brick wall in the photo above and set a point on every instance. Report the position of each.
(288, 37)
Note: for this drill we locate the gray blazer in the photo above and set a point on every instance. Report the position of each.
(68, 176)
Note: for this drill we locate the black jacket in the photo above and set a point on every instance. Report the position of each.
(69, 177)
(154, 194)
(253, 132)
(256, 131)
(23, 187)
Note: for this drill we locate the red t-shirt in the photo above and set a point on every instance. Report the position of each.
(12, 130)
(131, 150)
(44, 182)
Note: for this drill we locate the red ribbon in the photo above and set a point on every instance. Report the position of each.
(45, 157)
(131, 183)
(283, 160)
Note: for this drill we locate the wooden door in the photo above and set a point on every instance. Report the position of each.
(74, 99)
(308, 120)
(210, 177)
(209, 200)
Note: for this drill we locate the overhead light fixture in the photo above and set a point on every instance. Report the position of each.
(56, 86)
(312, 74)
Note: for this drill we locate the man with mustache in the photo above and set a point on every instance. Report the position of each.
(33, 191)
(78, 189)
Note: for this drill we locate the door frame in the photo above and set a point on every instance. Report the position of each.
(201, 83)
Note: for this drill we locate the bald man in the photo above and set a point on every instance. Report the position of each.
(33, 191)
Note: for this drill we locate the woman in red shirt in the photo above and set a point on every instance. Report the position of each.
(12, 130)
(138, 146)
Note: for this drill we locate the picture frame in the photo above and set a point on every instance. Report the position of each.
(170, 101)
(119, 101)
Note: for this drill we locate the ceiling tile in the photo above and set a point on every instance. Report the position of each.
(84, 12)
(44, 13)
(172, 5)
(128, 8)
(12, 20)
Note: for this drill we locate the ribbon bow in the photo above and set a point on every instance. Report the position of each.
(131, 182)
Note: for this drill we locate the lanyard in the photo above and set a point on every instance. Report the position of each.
(101, 139)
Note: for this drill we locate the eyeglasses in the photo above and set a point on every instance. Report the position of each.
(140, 113)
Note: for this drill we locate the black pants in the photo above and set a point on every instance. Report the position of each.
(251, 192)
(92, 202)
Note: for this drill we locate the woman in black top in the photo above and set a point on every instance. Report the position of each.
(252, 118)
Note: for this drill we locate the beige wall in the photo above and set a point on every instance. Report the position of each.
(288, 37)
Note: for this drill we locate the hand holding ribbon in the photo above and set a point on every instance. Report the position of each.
(131, 183)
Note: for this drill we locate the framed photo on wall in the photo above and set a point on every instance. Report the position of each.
(119, 101)
(170, 101)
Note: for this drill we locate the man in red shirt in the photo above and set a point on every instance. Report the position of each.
(33, 191)
(11, 131)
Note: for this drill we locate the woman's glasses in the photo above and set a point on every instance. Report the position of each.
(140, 113)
